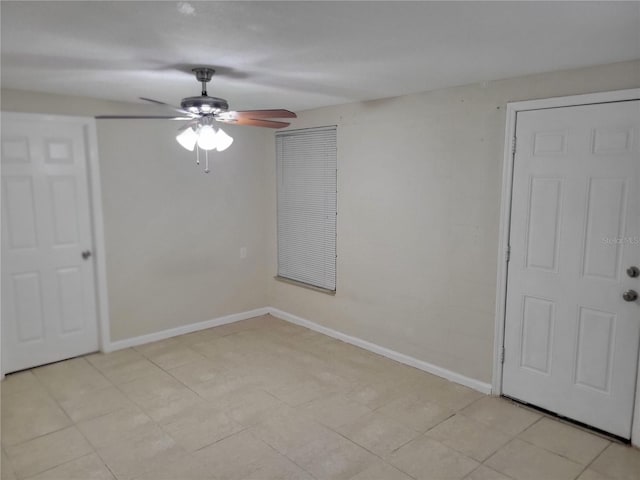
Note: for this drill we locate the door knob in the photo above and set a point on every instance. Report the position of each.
(633, 272)
(630, 296)
(86, 254)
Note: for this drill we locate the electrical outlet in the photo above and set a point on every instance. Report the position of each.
(243, 252)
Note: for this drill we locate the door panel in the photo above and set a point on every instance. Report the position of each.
(69, 282)
(571, 341)
(48, 290)
(537, 330)
(21, 218)
(595, 348)
(606, 201)
(64, 214)
(544, 218)
(28, 306)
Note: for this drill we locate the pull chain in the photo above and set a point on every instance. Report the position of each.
(197, 155)
(206, 166)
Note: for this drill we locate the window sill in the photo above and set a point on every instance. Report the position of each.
(326, 291)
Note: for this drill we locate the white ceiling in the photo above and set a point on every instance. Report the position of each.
(301, 55)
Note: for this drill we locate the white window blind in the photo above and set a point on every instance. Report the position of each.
(306, 167)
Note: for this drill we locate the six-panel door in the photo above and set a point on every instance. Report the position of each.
(48, 292)
(571, 339)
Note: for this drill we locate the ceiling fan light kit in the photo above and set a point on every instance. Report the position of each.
(202, 111)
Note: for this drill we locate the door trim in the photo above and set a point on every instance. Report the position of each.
(505, 222)
(88, 125)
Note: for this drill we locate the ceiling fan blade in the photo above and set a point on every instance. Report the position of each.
(151, 117)
(277, 113)
(158, 102)
(253, 122)
(154, 101)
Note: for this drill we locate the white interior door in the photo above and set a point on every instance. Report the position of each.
(571, 339)
(48, 286)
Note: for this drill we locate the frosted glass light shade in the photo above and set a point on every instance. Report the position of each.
(188, 139)
(223, 140)
(207, 139)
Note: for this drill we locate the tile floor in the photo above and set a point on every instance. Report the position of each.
(263, 399)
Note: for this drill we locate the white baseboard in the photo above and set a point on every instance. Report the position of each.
(192, 327)
(358, 342)
(393, 355)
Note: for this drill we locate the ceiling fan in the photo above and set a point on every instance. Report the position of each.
(203, 111)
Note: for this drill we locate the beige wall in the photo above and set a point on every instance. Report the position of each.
(173, 233)
(419, 180)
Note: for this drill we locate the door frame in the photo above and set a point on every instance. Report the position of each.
(88, 125)
(505, 222)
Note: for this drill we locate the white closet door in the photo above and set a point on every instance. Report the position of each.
(48, 286)
(571, 339)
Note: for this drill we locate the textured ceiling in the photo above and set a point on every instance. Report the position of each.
(301, 55)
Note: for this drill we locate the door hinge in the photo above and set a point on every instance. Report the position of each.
(513, 146)
(507, 254)
(502, 355)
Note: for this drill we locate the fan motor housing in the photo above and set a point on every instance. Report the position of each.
(204, 105)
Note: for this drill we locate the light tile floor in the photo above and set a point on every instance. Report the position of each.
(263, 399)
